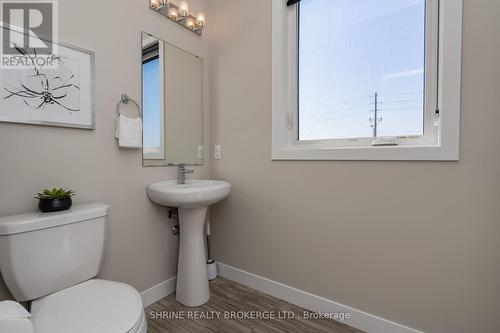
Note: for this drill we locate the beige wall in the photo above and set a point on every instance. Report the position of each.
(414, 242)
(141, 250)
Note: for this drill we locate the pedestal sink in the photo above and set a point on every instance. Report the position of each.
(192, 200)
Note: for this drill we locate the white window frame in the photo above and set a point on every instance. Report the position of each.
(442, 132)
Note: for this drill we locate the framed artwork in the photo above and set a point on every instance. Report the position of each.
(58, 95)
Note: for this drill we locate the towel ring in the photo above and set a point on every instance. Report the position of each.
(124, 99)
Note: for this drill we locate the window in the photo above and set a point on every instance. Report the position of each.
(371, 79)
(152, 102)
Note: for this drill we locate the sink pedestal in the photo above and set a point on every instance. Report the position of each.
(192, 278)
(192, 200)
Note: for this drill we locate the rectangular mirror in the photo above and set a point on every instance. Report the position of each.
(172, 104)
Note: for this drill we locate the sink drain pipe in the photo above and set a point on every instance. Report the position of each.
(211, 266)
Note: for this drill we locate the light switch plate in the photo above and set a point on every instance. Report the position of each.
(200, 152)
(217, 152)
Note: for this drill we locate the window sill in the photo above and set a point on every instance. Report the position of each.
(377, 153)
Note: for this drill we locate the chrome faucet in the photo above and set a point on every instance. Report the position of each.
(181, 173)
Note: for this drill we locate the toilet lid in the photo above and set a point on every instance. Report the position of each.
(96, 306)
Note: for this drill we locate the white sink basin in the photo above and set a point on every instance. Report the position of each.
(193, 194)
(192, 200)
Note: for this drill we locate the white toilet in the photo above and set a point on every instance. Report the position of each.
(50, 260)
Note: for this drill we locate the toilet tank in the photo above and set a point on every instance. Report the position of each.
(42, 253)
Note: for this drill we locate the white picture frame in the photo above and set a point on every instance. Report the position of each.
(62, 96)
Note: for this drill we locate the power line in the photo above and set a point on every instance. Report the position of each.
(359, 100)
(399, 109)
(405, 93)
(340, 110)
(346, 116)
(377, 102)
(403, 101)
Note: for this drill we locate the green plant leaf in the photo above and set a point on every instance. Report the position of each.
(55, 193)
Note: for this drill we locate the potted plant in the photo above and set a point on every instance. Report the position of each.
(54, 200)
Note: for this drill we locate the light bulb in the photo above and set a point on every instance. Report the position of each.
(190, 22)
(155, 4)
(184, 8)
(173, 13)
(200, 20)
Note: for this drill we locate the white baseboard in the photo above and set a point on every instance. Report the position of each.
(359, 319)
(156, 293)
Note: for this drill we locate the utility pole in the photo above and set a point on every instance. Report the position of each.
(376, 119)
(375, 122)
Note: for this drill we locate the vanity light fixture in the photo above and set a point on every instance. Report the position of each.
(180, 14)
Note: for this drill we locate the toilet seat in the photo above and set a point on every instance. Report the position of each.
(96, 306)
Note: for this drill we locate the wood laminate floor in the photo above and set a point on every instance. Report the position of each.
(234, 308)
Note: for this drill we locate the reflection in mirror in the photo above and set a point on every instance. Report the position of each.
(172, 104)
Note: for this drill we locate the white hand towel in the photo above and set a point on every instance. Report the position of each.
(129, 132)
